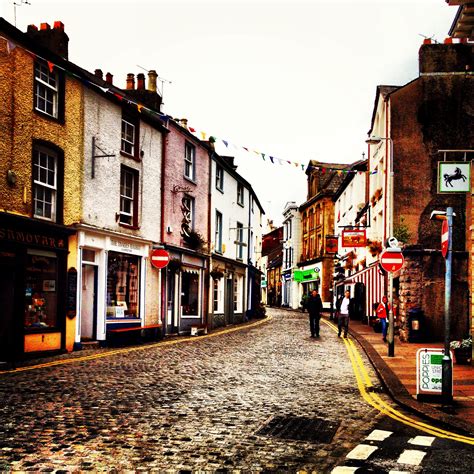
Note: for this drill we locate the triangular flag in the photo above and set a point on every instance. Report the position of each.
(225, 143)
(51, 66)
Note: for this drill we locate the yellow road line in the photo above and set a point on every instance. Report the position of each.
(364, 382)
(135, 348)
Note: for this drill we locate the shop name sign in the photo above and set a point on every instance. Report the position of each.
(23, 237)
(128, 247)
(354, 238)
(429, 373)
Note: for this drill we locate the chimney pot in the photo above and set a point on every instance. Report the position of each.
(98, 73)
(152, 76)
(59, 25)
(109, 78)
(141, 81)
(130, 81)
(44, 26)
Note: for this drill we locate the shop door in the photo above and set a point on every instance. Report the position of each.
(7, 298)
(89, 303)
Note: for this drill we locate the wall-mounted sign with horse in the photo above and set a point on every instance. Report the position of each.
(454, 176)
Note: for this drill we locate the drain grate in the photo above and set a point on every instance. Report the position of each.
(298, 428)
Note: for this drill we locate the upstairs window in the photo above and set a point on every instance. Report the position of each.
(46, 90)
(45, 183)
(240, 194)
(128, 197)
(189, 161)
(219, 178)
(129, 144)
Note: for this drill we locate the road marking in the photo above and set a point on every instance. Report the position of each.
(378, 435)
(422, 440)
(411, 456)
(156, 345)
(361, 452)
(364, 383)
(344, 470)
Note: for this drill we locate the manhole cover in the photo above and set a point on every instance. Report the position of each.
(300, 429)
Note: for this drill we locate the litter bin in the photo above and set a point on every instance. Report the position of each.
(415, 325)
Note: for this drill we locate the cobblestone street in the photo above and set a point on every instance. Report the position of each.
(191, 406)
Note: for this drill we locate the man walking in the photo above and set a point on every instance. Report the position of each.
(345, 309)
(314, 306)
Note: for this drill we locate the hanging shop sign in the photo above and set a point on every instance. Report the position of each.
(429, 374)
(306, 275)
(354, 238)
(331, 243)
(454, 177)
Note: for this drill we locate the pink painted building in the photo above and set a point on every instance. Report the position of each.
(185, 225)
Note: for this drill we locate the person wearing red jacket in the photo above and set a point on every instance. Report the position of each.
(382, 313)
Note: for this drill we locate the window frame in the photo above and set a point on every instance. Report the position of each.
(124, 170)
(190, 161)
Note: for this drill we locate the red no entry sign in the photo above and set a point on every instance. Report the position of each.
(391, 261)
(160, 258)
(444, 238)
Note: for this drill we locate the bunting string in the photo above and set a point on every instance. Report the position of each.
(199, 134)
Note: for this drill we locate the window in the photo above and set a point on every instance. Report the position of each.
(189, 161)
(190, 292)
(122, 285)
(218, 241)
(41, 290)
(45, 183)
(240, 194)
(46, 90)
(187, 208)
(219, 178)
(240, 241)
(128, 196)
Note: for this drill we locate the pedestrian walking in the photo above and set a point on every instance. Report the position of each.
(314, 306)
(382, 313)
(345, 307)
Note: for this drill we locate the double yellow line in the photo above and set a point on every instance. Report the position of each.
(364, 385)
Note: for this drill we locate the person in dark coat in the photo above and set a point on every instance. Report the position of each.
(314, 306)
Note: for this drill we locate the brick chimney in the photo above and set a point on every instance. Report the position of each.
(140, 82)
(55, 39)
(130, 81)
(109, 78)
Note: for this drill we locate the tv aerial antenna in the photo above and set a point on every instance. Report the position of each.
(18, 3)
(163, 82)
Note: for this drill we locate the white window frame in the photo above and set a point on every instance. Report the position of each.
(43, 79)
(125, 142)
(45, 186)
(190, 161)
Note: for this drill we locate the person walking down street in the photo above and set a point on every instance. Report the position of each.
(345, 309)
(314, 306)
(382, 313)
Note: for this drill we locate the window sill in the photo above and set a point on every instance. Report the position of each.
(132, 157)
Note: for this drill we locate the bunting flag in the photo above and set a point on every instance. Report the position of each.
(165, 118)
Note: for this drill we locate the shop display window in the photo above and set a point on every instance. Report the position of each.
(123, 286)
(190, 293)
(41, 291)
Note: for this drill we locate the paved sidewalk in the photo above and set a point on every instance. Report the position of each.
(398, 374)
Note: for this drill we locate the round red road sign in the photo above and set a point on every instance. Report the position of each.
(160, 258)
(444, 238)
(391, 261)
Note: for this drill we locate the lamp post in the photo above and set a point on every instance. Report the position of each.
(374, 140)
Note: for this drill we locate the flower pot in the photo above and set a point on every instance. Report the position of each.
(463, 356)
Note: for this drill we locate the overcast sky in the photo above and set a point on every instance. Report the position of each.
(293, 79)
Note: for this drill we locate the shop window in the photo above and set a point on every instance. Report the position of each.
(128, 196)
(190, 293)
(41, 290)
(47, 90)
(123, 272)
(45, 183)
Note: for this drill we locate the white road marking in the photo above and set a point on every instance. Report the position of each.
(422, 440)
(378, 435)
(362, 452)
(411, 456)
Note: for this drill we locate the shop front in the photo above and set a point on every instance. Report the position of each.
(33, 287)
(114, 278)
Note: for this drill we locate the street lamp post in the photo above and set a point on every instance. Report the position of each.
(374, 140)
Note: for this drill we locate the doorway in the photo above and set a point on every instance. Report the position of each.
(89, 303)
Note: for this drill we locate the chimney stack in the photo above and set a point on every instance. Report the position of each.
(55, 39)
(130, 81)
(109, 78)
(152, 76)
(98, 73)
(140, 82)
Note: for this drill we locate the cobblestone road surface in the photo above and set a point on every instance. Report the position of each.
(190, 406)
